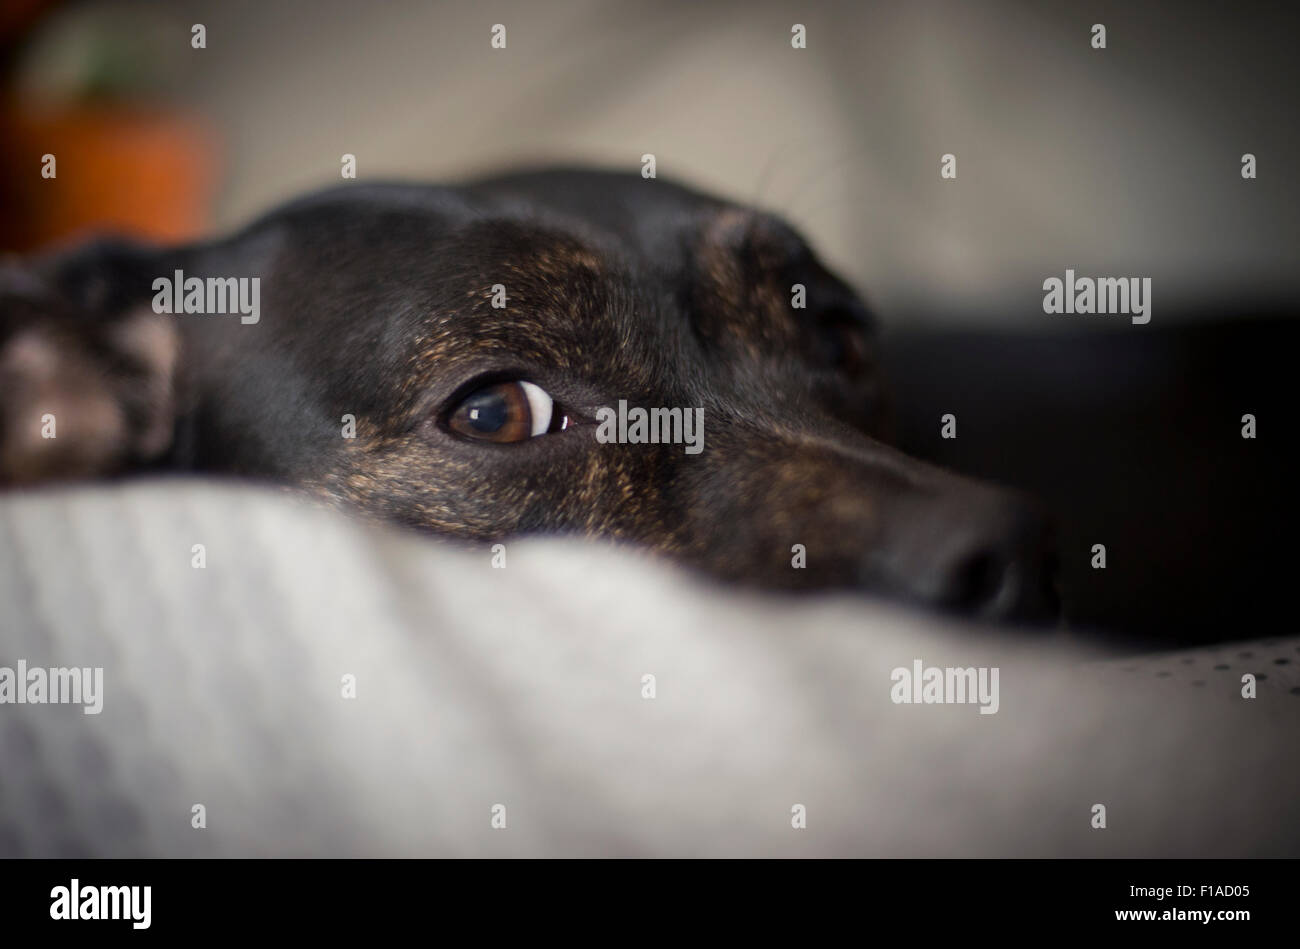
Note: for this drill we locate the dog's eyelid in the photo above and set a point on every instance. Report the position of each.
(572, 400)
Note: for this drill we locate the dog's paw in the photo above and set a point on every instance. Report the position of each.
(81, 394)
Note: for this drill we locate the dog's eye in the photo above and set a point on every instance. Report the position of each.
(506, 412)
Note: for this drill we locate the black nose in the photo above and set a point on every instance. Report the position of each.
(978, 553)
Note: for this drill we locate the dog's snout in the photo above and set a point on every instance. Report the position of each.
(985, 555)
(1002, 567)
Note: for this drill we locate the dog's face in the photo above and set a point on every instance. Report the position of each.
(479, 336)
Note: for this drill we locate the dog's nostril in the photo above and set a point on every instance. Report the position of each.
(975, 581)
(982, 556)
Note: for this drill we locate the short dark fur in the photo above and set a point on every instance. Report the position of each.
(376, 302)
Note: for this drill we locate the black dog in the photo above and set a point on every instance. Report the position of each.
(468, 339)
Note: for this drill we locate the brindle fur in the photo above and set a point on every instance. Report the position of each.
(376, 302)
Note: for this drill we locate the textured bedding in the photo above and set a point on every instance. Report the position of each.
(323, 686)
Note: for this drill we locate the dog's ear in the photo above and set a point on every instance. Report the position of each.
(88, 371)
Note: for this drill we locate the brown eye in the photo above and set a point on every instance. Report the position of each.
(504, 412)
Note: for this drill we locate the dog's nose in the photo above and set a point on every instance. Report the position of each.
(985, 555)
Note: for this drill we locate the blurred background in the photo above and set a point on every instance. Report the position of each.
(1120, 162)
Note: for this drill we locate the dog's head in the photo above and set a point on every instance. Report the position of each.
(474, 361)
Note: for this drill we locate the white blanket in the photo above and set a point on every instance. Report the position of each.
(518, 696)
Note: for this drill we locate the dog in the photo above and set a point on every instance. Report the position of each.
(441, 357)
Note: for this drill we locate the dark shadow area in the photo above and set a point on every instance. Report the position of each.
(1132, 435)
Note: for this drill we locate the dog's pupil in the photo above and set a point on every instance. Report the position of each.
(487, 412)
